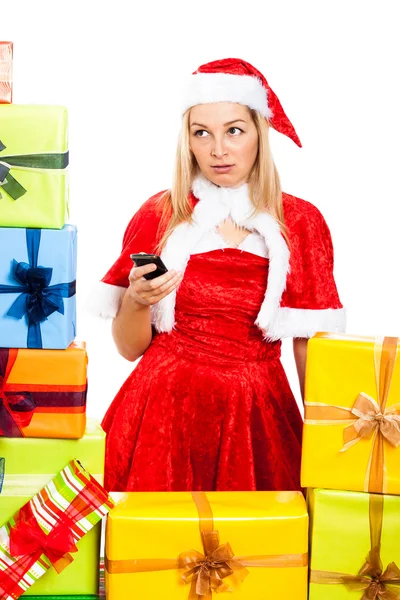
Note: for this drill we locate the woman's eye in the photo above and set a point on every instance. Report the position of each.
(233, 129)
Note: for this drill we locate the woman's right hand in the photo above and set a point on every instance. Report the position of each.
(146, 292)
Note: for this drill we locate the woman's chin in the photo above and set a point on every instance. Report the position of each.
(224, 179)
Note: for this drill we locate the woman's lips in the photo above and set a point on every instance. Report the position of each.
(223, 168)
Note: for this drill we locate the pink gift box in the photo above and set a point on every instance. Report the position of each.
(6, 63)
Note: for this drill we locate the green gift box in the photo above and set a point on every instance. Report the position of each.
(33, 166)
(355, 545)
(29, 464)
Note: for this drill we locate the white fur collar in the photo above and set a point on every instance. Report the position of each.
(214, 206)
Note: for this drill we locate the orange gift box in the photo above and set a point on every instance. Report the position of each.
(43, 392)
(6, 59)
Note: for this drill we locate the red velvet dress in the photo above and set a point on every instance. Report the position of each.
(208, 406)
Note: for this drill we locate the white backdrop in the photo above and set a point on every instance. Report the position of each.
(118, 68)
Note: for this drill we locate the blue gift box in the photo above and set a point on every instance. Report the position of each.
(37, 287)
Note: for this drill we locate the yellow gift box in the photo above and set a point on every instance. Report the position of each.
(184, 545)
(352, 414)
(355, 549)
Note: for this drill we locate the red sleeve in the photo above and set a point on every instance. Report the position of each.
(310, 302)
(311, 283)
(141, 235)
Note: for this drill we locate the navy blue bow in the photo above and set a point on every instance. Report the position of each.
(38, 299)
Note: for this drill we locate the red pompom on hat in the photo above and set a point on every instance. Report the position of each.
(235, 80)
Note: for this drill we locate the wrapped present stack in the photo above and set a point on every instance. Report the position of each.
(351, 466)
(52, 457)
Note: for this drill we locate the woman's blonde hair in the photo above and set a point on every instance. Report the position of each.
(264, 183)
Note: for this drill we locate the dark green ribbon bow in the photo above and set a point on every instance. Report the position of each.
(26, 161)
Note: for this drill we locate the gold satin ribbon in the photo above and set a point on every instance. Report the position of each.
(215, 570)
(368, 418)
(371, 579)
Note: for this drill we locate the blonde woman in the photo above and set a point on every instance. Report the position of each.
(208, 406)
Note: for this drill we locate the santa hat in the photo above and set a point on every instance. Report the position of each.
(235, 80)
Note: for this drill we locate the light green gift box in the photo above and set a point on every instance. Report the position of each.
(30, 463)
(52, 597)
(355, 545)
(33, 166)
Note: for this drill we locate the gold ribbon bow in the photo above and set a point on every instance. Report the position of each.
(372, 421)
(207, 571)
(372, 418)
(371, 579)
(217, 570)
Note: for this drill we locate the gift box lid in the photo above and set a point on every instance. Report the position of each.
(33, 128)
(31, 463)
(148, 524)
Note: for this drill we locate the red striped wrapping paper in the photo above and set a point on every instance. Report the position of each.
(43, 533)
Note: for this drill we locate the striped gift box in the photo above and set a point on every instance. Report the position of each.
(44, 531)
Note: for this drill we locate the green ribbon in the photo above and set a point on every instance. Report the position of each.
(51, 160)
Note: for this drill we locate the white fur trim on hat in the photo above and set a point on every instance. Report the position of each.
(305, 322)
(204, 88)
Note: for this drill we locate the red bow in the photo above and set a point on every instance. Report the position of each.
(16, 409)
(27, 538)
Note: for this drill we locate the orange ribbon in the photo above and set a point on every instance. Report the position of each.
(371, 579)
(372, 418)
(215, 570)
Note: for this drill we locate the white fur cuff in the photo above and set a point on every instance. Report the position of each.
(104, 300)
(303, 322)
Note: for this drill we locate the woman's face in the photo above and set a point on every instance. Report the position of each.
(223, 133)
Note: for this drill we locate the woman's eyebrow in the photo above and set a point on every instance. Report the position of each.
(225, 124)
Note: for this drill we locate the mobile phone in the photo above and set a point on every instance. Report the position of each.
(145, 259)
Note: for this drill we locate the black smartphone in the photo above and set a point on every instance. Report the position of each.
(145, 259)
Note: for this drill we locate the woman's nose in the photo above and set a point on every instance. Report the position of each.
(219, 149)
